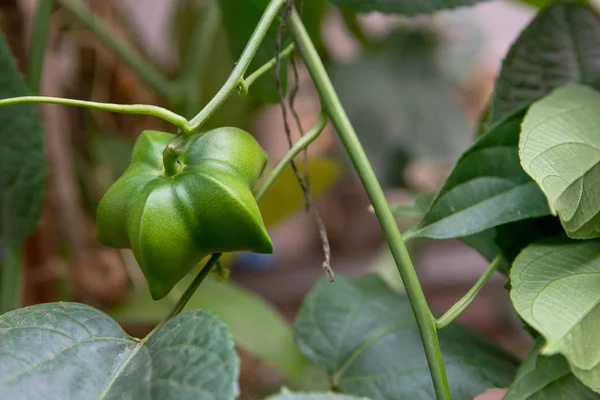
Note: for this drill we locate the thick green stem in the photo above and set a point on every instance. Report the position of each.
(457, 309)
(142, 109)
(300, 145)
(37, 48)
(333, 106)
(237, 75)
(10, 279)
(123, 50)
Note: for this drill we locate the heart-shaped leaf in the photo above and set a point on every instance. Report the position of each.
(287, 395)
(559, 46)
(22, 159)
(556, 290)
(73, 351)
(560, 149)
(547, 378)
(366, 338)
(487, 188)
(403, 7)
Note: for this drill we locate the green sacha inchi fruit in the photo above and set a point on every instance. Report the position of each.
(173, 207)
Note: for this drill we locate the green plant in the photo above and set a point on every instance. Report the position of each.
(520, 195)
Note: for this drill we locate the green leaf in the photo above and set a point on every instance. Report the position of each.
(403, 7)
(487, 188)
(256, 326)
(287, 395)
(559, 46)
(22, 159)
(547, 378)
(560, 149)
(366, 338)
(73, 351)
(556, 290)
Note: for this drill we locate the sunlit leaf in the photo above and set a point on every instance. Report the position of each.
(560, 149)
(556, 290)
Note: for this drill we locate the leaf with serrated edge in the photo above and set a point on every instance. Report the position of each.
(73, 351)
(559, 46)
(22, 159)
(556, 290)
(365, 336)
(547, 378)
(404, 7)
(560, 149)
(487, 188)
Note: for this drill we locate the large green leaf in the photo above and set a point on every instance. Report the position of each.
(404, 7)
(556, 290)
(547, 378)
(366, 338)
(256, 326)
(287, 395)
(560, 149)
(22, 159)
(487, 188)
(559, 46)
(73, 351)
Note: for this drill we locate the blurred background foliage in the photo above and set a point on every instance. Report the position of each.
(413, 90)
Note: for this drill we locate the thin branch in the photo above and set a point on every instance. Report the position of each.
(268, 65)
(461, 305)
(310, 207)
(300, 145)
(189, 292)
(143, 109)
(237, 75)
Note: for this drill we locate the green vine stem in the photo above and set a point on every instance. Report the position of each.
(38, 44)
(236, 77)
(300, 145)
(123, 50)
(460, 306)
(268, 65)
(333, 106)
(140, 109)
